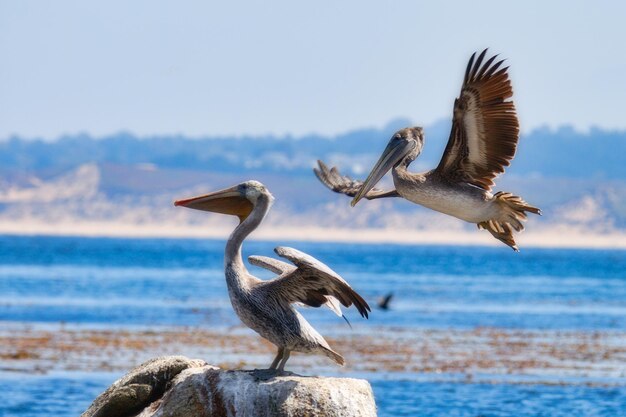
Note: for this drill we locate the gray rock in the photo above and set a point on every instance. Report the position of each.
(180, 387)
(141, 386)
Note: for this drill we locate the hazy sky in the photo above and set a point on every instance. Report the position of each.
(205, 68)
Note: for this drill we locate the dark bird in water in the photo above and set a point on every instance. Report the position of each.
(482, 142)
(383, 302)
(267, 306)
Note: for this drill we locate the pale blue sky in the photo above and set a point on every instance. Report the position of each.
(255, 67)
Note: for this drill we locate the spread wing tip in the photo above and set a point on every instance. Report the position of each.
(342, 290)
(360, 304)
(485, 129)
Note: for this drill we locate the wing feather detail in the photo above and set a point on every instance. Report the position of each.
(314, 284)
(271, 264)
(343, 184)
(485, 128)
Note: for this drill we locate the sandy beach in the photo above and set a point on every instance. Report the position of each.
(552, 237)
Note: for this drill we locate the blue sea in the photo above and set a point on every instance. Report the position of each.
(131, 283)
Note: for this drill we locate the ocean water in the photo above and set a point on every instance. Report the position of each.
(117, 283)
(70, 393)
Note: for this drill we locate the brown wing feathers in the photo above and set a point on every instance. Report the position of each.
(348, 296)
(314, 298)
(343, 184)
(312, 281)
(338, 183)
(316, 289)
(485, 128)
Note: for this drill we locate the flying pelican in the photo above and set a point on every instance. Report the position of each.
(484, 136)
(267, 306)
(383, 302)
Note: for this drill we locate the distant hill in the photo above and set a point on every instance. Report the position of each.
(578, 179)
(551, 153)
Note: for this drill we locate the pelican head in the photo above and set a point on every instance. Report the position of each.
(403, 147)
(238, 200)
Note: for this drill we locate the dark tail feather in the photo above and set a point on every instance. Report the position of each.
(334, 356)
(501, 231)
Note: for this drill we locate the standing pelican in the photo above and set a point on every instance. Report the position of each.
(484, 136)
(267, 306)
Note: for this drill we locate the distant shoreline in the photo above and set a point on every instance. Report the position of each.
(554, 237)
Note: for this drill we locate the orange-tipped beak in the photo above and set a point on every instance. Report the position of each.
(228, 201)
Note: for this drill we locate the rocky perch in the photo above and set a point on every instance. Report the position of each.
(175, 386)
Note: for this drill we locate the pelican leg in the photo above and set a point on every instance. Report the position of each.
(281, 367)
(278, 357)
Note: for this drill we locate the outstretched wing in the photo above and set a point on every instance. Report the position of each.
(314, 284)
(271, 264)
(485, 129)
(343, 184)
(280, 268)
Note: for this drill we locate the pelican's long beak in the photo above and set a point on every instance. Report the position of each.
(393, 153)
(228, 201)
